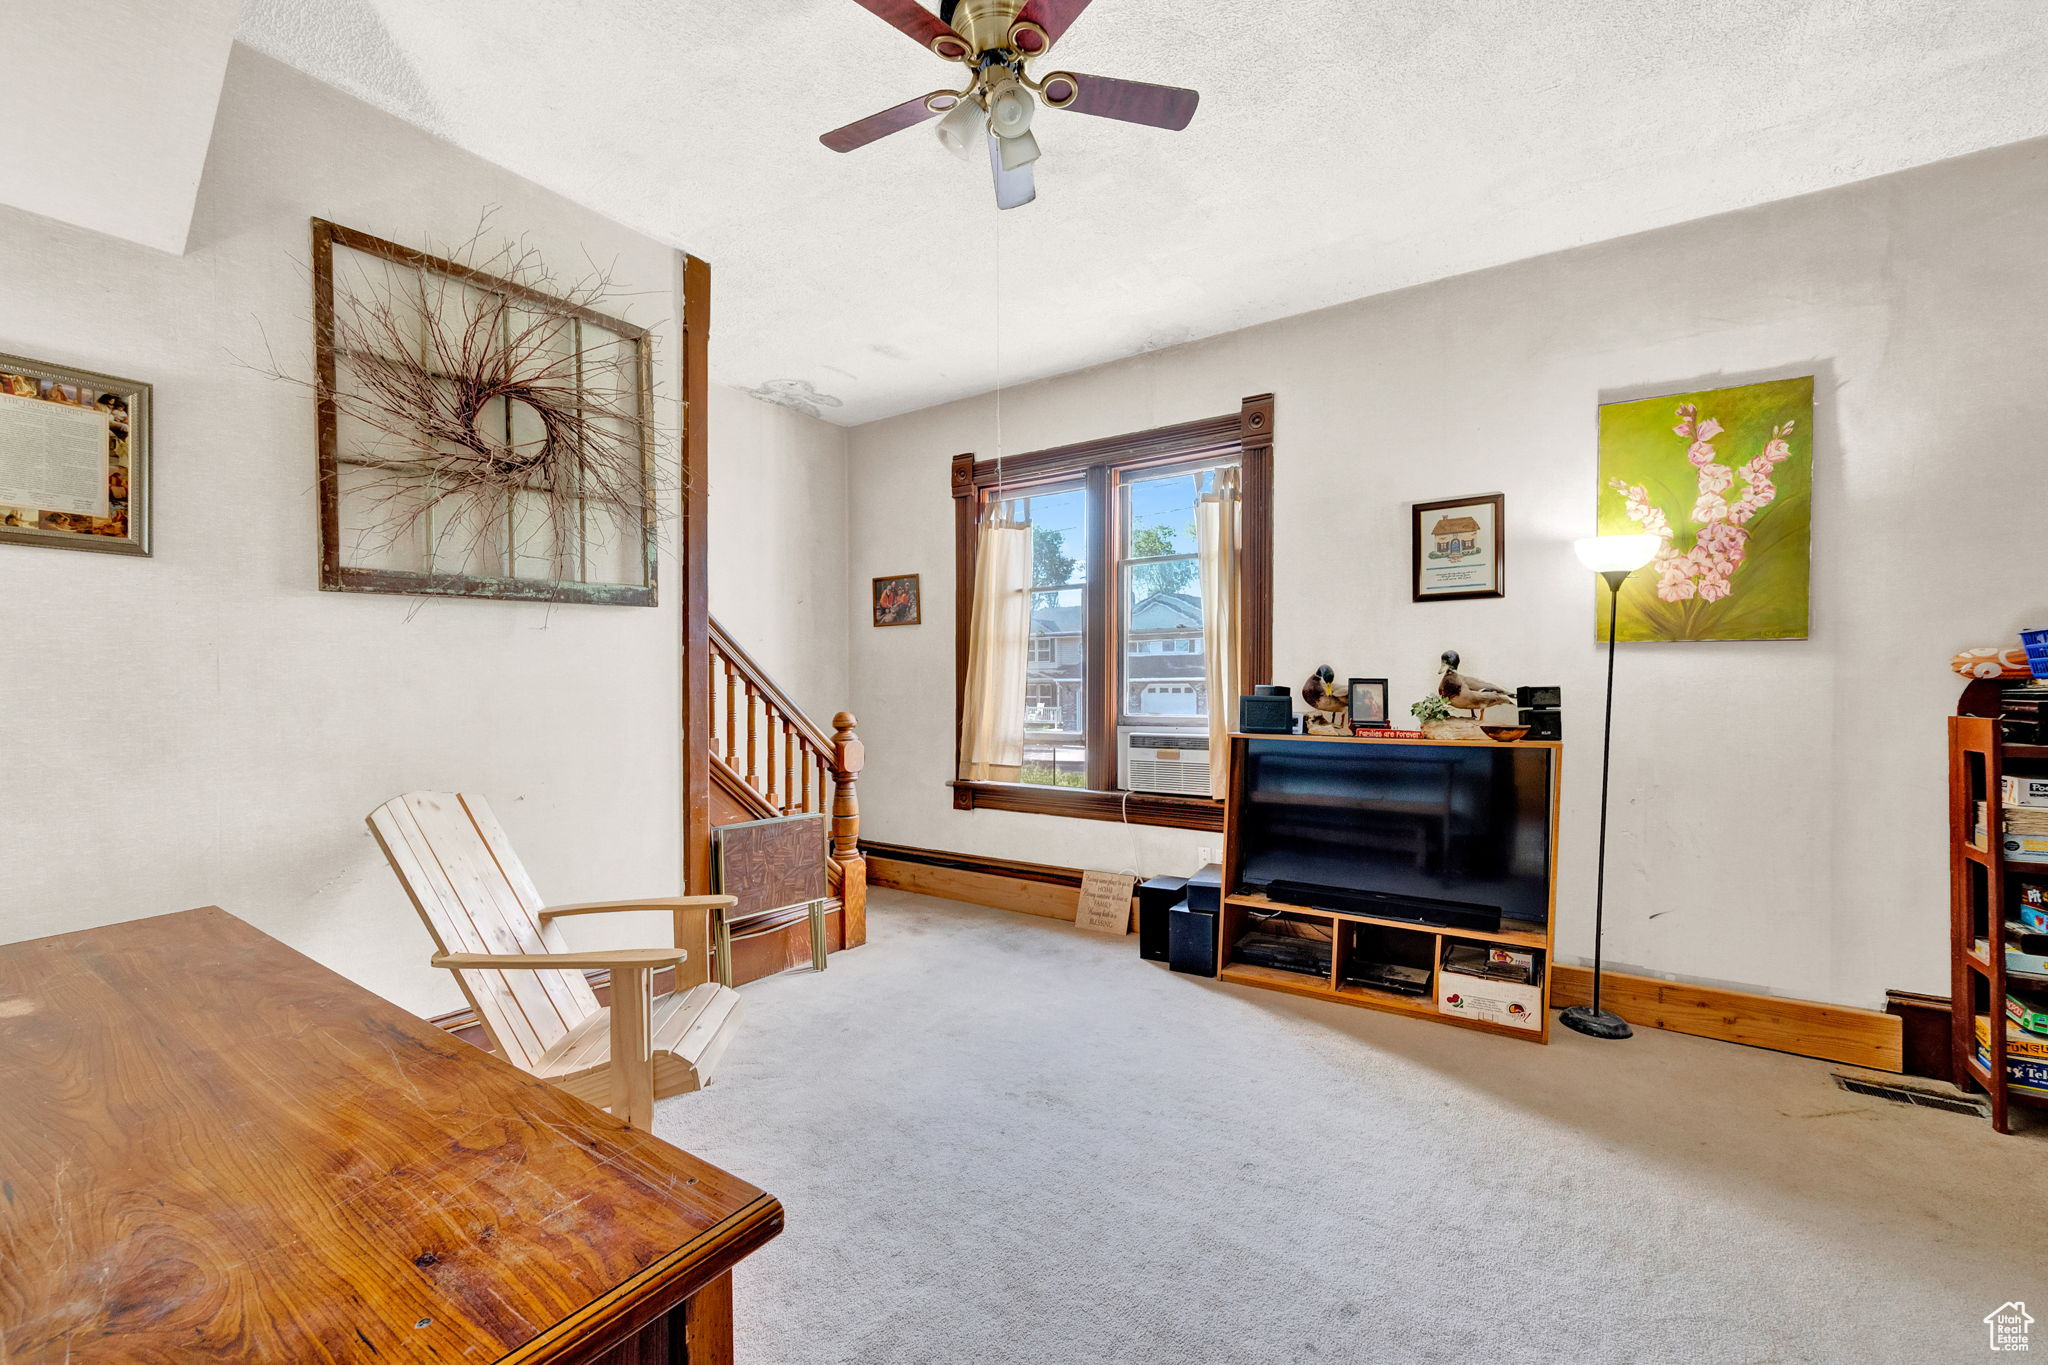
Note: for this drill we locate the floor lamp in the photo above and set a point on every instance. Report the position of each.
(1614, 558)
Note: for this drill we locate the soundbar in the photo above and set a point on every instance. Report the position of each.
(1380, 905)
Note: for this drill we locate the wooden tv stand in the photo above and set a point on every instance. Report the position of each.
(1241, 909)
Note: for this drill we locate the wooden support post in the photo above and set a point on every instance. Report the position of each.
(848, 757)
(707, 1325)
(753, 777)
(731, 714)
(632, 1046)
(788, 766)
(692, 550)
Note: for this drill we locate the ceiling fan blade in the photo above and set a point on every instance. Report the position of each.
(909, 17)
(1054, 16)
(1014, 189)
(874, 127)
(1161, 106)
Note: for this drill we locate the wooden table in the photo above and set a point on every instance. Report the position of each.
(213, 1148)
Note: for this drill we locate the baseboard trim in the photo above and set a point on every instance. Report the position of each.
(1028, 888)
(1806, 1028)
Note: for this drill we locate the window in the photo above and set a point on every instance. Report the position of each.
(1055, 742)
(1160, 626)
(1117, 617)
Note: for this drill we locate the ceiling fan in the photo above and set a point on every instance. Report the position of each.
(996, 40)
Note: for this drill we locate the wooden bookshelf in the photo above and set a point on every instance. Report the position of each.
(1241, 908)
(1983, 889)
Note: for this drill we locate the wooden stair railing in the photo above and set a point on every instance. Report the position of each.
(772, 759)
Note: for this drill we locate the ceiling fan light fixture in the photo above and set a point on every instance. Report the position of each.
(961, 129)
(1009, 108)
(1020, 150)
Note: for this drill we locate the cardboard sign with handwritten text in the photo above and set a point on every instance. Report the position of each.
(1105, 906)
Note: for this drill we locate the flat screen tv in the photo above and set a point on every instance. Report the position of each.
(1443, 834)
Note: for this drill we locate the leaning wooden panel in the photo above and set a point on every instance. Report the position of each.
(218, 1150)
(772, 864)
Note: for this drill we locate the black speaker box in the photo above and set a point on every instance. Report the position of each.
(1265, 715)
(1539, 696)
(1205, 889)
(1543, 723)
(1155, 899)
(1191, 938)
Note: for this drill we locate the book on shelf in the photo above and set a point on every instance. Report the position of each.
(2028, 1012)
(2026, 819)
(2023, 791)
(2021, 1073)
(2018, 1042)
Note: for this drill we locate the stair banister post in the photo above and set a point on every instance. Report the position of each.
(848, 757)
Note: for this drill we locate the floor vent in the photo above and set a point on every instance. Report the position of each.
(1909, 1092)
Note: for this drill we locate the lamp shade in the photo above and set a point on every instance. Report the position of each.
(1009, 108)
(960, 131)
(1608, 554)
(1020, 150)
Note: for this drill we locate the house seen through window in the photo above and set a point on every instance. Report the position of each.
(1157, 665)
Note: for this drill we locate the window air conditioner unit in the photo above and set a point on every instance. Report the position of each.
(1175, 762)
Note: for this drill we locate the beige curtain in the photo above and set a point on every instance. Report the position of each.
(1216, 538)
(992, 706)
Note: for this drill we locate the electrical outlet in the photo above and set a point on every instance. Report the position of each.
(1204, 855)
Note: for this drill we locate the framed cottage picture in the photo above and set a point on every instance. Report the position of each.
(74, 458)
(1458, 548)
(897, 602)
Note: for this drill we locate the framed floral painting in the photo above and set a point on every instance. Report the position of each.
(1724, 478)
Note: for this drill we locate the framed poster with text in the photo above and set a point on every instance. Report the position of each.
(74, 458)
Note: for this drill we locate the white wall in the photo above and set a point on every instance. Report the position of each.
(1779, 806)
(107, 106)
(205, 726)
(778, 543)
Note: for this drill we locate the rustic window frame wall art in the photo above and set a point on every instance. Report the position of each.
(480, 434)
(55, 421)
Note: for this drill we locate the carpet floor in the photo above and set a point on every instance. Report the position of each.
(1000, 1139)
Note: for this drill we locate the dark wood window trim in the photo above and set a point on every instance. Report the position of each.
(1248, 433)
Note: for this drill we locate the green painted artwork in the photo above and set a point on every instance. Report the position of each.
(1725, 479)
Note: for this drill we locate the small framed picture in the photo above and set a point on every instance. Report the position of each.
(1459, 549)
(897, 602)
(1369, 702)
(74, 458)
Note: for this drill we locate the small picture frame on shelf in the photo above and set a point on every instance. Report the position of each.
(898, 601)
(1369, 702)
(1459, 549)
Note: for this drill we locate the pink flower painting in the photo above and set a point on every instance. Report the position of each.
(1733, 564)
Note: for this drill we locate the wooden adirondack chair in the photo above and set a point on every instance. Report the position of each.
(492, 930)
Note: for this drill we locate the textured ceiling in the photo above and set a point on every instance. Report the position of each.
(1343, 148)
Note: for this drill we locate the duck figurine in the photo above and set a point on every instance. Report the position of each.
(1463, 692)
(1333, 708)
